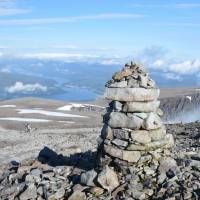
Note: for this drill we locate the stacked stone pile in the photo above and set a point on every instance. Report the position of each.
(133, 141)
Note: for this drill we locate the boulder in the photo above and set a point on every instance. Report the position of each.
(131, 94)
(151, 106)
(108, 179)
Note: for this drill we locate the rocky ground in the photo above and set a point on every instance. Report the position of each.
(48, 157)
(55, 176)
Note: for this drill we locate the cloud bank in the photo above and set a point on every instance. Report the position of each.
(20, 87)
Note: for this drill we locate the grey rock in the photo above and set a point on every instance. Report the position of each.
(120, 120)
(36, 172)
(166, 164)
(88, 177)
(108, 179)
(130, 156)
(131, 94)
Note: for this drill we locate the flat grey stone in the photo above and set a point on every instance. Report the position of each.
(119, 142)
(151, 106)
(131, 94)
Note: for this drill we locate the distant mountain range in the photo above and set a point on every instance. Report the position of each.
(52, 79)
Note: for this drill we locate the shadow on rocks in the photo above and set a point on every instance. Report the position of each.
(85, 161)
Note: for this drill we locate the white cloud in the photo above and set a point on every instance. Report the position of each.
(68, 57)
(5, 70)
(24, 88)
(186, 67)
(43, 21)
(172, 76)
(159, 63)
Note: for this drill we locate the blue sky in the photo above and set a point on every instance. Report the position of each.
(101, 28)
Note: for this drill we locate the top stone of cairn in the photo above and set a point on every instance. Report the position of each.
(131, 84)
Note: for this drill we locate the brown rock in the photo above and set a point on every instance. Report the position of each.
(119, 75)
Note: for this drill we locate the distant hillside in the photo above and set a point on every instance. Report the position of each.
(73, 81)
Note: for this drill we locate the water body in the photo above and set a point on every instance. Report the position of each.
(75, 94)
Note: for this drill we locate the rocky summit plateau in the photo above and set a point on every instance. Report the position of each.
(134, 153)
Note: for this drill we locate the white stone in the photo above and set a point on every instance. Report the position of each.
(153, 121)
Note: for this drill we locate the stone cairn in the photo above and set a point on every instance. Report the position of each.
(133, 144)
